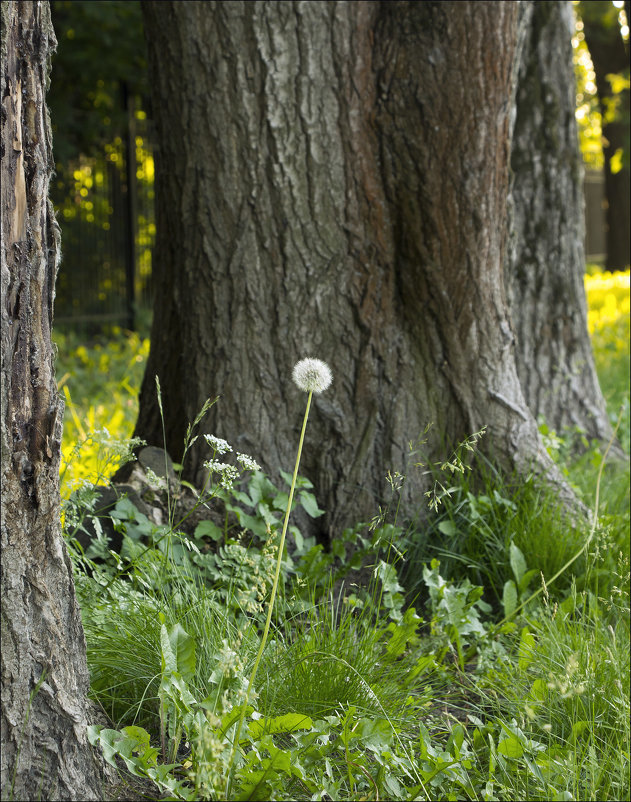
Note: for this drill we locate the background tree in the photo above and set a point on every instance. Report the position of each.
(610, 58)
(45, 752)
(333, 180)
(545, 260)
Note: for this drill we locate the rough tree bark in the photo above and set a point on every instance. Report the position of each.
(45, 752)
(332, 180)
(610, 56)
(545, 259)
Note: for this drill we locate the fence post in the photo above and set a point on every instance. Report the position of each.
(130, 206)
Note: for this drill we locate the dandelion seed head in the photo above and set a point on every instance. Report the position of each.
(312, 375)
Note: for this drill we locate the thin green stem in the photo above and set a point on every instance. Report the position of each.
(270, 606)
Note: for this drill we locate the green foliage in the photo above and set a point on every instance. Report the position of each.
(455, 609)
(100, 46)
(347, 678)
(592, 113)
(361, 695)
(567, 692)
(483, 520)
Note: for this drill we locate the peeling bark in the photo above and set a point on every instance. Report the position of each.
(45, 753)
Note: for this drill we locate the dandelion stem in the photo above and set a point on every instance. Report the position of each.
(270, 606)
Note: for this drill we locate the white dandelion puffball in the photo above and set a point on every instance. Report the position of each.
(312, 375)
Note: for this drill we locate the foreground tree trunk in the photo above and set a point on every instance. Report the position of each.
(45, 752)
(545, 260)
(332, 181)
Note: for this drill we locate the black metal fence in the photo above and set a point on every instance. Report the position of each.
(104, 205)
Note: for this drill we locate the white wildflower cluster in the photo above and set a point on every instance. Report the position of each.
(247, 463)
(227, 474)
(312, 375)
(218, 445)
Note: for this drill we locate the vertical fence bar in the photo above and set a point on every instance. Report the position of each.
(130, 207)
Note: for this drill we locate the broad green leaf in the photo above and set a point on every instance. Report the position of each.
(290, 722)
(525, 580)
(266, 514)
(243, 498)
(125, 510)
(388, 575)
(183, 647)
(169, 661)
(138, 733)
(393, 786)
(309, 503)
(426, 663)
(509, 598)
(402, 633)
(456, 738)
(510, 747)
(298, 538)
(140, 742)
(539, 690)
(94, 733)
(447, 528)
(255, 525)
(517, 562)
(178, 651)
(301, 481)
(260, 487)
(174, 689)
(279, 502)
(374, 733)
(208, 529)
(230, 718)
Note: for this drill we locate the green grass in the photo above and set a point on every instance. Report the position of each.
(569, 695)
(360, 694)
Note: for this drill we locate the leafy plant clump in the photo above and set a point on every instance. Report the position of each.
(359, 692)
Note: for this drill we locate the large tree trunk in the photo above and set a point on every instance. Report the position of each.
(545, 260)
(45, 752)
(332, 181)
(609, 56)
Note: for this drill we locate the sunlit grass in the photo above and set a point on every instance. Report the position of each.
(100, 384)
(608, 321)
